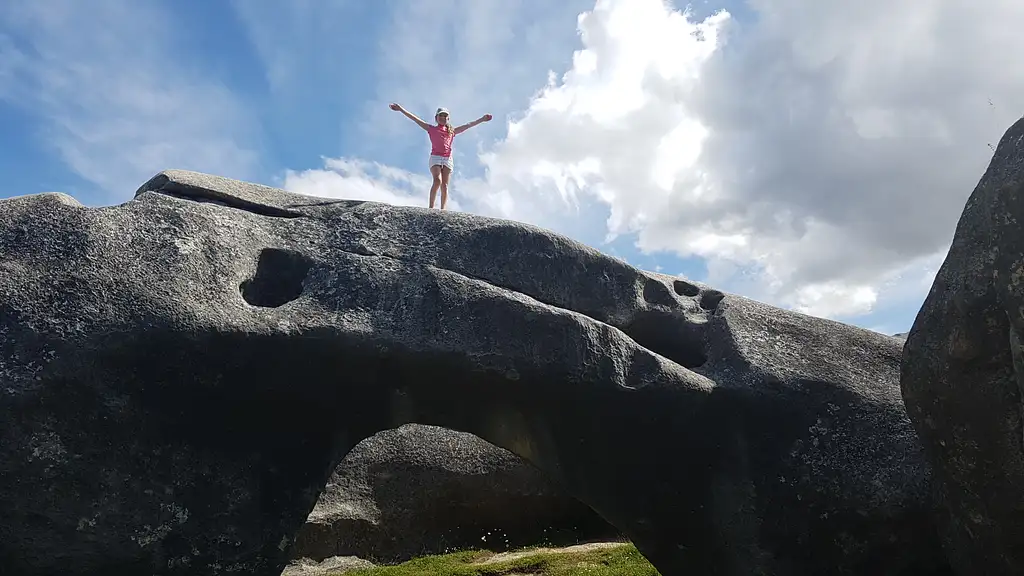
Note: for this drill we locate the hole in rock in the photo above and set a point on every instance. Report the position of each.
(655, 292)
(417, 490)
(710, 299)
(278, 278)
(670, 336)
(684, 288)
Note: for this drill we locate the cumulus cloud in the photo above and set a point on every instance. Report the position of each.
(844, 139)
(825, 148)
(117, 103)
(816, 155)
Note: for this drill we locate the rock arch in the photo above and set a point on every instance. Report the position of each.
(181, 374)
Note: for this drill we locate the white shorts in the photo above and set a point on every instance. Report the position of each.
(442, 161)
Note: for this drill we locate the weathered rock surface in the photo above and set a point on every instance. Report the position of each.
(963, 372)
(418, 490)
(332, 566)
(182, 373)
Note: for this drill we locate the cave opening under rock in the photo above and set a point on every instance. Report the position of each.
(418, 489)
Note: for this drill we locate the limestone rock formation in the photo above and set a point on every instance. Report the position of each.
(418, 490)
(963, 373)
(181, 374)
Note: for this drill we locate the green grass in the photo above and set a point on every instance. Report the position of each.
(619, 561)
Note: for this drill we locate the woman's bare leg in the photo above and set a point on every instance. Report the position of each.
(435, 171)
(446, 173)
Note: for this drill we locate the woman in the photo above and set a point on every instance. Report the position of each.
(442, 135)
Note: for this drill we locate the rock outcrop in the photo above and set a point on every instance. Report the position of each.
(182, 373)
(418, 490)
(963, 373)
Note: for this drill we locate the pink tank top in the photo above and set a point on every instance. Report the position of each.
(440, 141)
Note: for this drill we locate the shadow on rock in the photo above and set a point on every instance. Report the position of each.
(963, 369)
(182, 374)
(419, 490)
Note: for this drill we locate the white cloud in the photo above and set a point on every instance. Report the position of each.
(118, 104)
(814, 155)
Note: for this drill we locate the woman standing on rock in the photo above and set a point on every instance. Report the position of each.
(442, 135)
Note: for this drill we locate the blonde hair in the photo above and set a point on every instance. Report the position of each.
(448, 125)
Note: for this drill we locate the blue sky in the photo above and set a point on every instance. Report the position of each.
(815, 158)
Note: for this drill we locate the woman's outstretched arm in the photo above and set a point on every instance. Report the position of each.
(468, 125)
(410, 116)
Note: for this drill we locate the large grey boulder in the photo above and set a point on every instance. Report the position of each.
(182, 373)
(418, 490)
(963, 373)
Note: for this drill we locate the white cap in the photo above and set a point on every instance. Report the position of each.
(441, 110)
